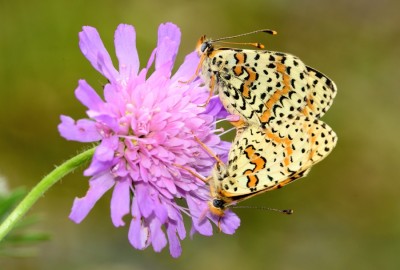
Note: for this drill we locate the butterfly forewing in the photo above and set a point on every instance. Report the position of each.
(258, 84)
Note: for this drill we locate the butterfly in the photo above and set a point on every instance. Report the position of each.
(264, 159)
(262, 86)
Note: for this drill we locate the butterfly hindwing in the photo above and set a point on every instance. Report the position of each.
(320, 97)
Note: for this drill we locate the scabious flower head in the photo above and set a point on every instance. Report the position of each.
(145, 128)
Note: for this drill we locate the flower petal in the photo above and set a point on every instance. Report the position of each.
(106, 150)
(158, 239)
(88, 96)
(215, 108)
(96, 166)
(169, 38)
(188, 68)
(120, 202)
(83, 130)
(144, 200)
(138, 234)
(125, 46)
(103, 157)
(150, 61)
(175, 248)
(161, 211)
(93, 49)
(229, 222)
(99, 185)
(198, 210)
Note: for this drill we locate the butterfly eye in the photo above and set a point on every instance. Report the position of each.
(204, 46)
(217, 203)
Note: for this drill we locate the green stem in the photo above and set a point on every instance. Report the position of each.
(41, 188)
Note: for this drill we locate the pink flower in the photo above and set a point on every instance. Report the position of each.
(145, 127)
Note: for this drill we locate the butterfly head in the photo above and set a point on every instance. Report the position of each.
(217, 207)
(203, 46)
(218, 202)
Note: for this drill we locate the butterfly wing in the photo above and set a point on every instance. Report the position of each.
(265, 159)
(263, 86)
(258, 84)
(322, 92)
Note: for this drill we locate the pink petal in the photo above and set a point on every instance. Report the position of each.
(106, 119)
(160, 211)
(120, 202)
(88, 96)
(125, 45)
(188, 69)
(114, 97)
(150, 61)
(181, 228)
(169, 184)
(158, 239)
(138, 234)
(144, 200)
(99, 185)
(169, 38)
(229, 222)
(93, 49)
(215, 108)
(102, 159)
(175, 248)
(111, 95)
(177, 220)
(106, 150)
(83, 130)
(198, 210)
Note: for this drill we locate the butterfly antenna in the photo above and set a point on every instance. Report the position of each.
(268, 31)
(283, 211)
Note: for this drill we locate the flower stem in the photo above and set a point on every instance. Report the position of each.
(48, 181)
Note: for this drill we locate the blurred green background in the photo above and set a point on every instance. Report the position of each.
(347, 211)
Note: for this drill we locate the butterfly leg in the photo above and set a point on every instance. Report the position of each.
(193, 173)
(211, 86)
(219, 224)
(196, 74)
(208, 150)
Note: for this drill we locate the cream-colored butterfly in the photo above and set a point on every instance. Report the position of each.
(262, 86)
(263, 159)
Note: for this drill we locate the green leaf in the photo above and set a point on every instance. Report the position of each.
(9, 201)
